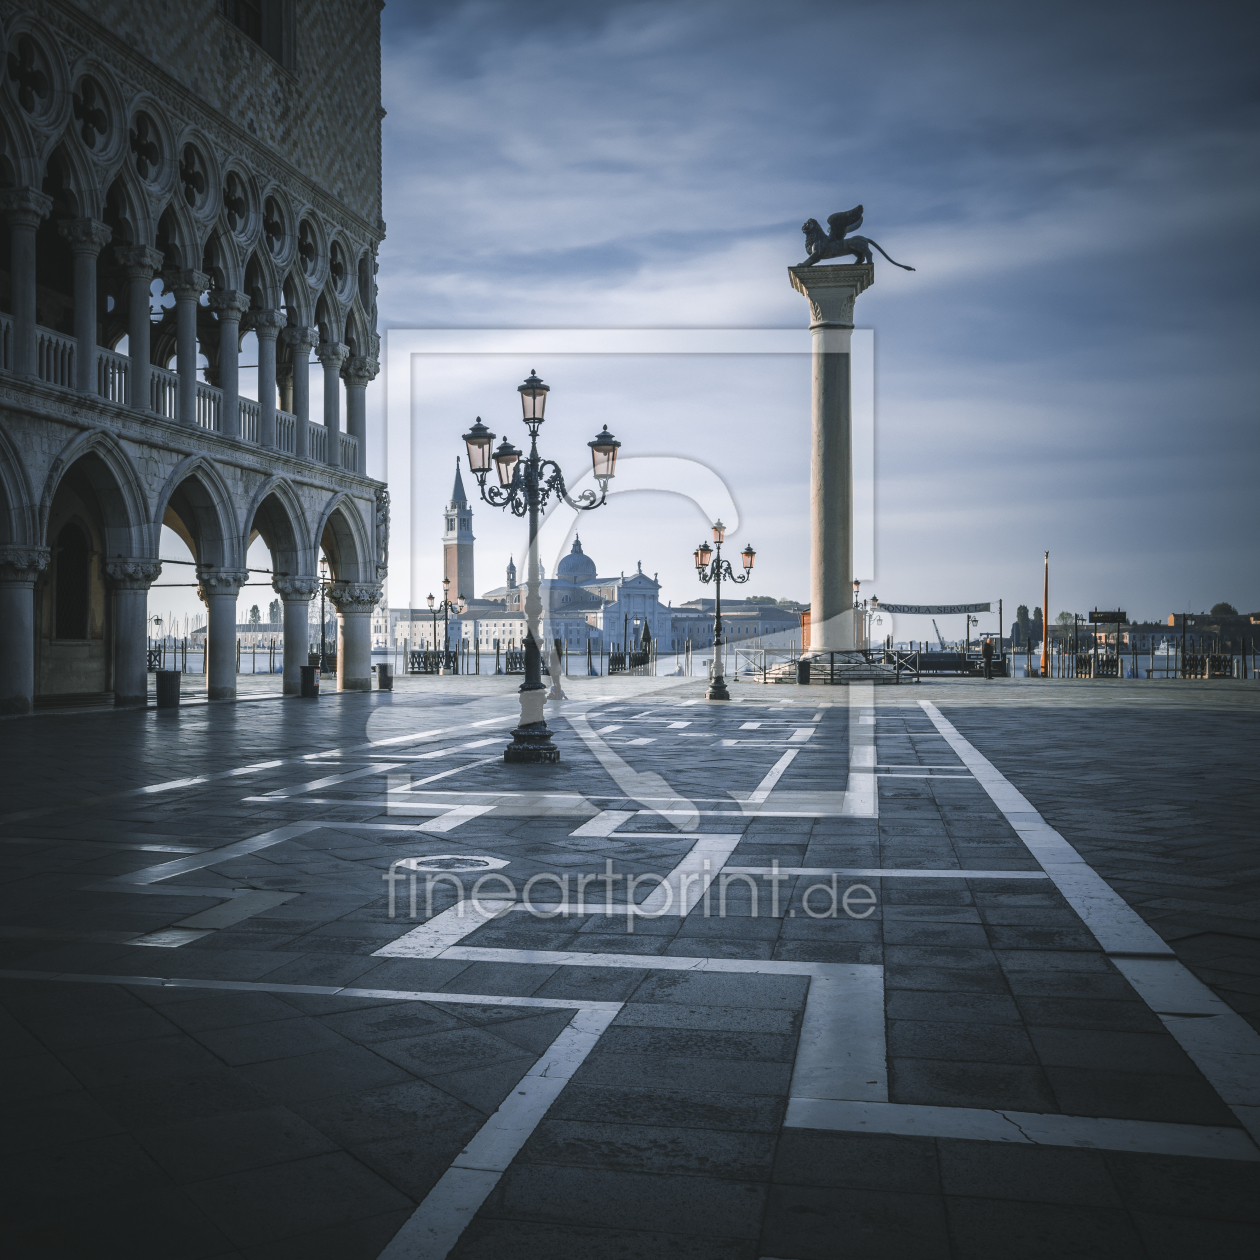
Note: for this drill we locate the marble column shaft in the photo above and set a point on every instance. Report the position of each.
(188, 286)
(354, 602)
(229, 306)
(87, 238)
(359, 372)
(20, 568)
(218, 589)
(25, 209)
(130, 580)
(297, 593)
(332, 354)
(139, 262)
(301, 341)
(832, 292)
(267, 326)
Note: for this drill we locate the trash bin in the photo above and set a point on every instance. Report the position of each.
(167, 688)
(310, 681)
(384, 677)
(802, 672)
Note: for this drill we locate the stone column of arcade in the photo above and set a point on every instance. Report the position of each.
(354, 602)
(139, 262)
(25, 208)
(832, 292)
(87, 238)
(218, 589)
(130, 580)
(360, 372)
(332, 354)
(229, 305)
(188, 286)
(300, 341)
(296, 593)
(20, 568)
(267, 326)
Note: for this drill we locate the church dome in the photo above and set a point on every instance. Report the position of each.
(577, 566)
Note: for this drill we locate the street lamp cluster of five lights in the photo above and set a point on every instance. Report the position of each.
(533, 393)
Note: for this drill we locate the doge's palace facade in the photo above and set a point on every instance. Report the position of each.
(225, 154)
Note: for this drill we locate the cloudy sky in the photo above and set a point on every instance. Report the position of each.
(1071, 367)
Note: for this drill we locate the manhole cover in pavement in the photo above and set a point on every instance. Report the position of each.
(451, 862)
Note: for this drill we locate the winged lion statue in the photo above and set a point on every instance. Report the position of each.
(835, 244)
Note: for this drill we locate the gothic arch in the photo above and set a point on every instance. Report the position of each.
(107, 147)
(198, 505)
(344, 540)
(179, 236)
(261, 283)
(47, 120)
(122, 494)
(357, 336)
(276, 515)
(156, 148)
(19, 517)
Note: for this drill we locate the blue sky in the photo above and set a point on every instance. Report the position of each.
(1071, 366)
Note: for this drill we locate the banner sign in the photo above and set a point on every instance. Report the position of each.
(933, 610)
(1106, 618)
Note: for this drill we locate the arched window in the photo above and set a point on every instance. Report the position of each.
(74, 555)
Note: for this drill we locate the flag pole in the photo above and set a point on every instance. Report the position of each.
(1045, 621)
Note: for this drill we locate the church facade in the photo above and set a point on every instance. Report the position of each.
(173, 174)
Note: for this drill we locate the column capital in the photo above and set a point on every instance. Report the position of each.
(332, 354)
(215, 581)
(296, 589)
(133, 573)
(186, 283)
(25, 206)
(139, 261)
(229, 304)
(832, 291)
(296, 336)
(23, 564)
(265, 323)
(86, 236)
(355, 597)
(360, 370)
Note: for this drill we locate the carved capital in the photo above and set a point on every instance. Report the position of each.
(360, 371)
(138, 262)
(133, 573)
(332, 354)
(300, 338)
(26, 207)
(832, 291)
(187, 285)
(219, 581)
(228, 304)
(86, 236)
(299, 589)
(354, 597)
(266, 324)
(22, 564)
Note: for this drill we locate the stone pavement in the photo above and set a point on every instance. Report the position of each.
(679, 996)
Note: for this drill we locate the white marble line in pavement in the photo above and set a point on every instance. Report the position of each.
(442, 931)
(882, 872)
(212, 857)
(435, 1226)
(604, 823)
(301, 789)
(1021, 1128)
(454, 817)
(861, 792)
(1224, 1047)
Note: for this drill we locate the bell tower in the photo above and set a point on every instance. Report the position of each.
(457, 542)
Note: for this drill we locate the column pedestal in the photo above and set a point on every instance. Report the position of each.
(218, 589)
(832, 292)
(87, 238)
(20, 568)
(131, 580)
(297, 594)
(354, 602)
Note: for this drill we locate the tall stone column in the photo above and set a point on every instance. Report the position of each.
(218, 589)
(301, 341)
(332, 354)
(297, 593)
(267, 326)
(138, 262)
(832, 292)
(131, 579)
(188, 286)
(20, 568)
(24, 208)
(359, 372)
(354, 602)
(87, 238)
(228, 306)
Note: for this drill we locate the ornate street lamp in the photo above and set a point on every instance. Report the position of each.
(714, 569)
(868, 611)
(445, 607)
(525, 486)
(323, 621)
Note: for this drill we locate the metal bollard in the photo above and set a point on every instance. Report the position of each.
(310, 681)
(802, 672)
(167, 688)
(384, 678)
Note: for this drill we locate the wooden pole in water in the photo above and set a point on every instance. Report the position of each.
(1045, 621)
